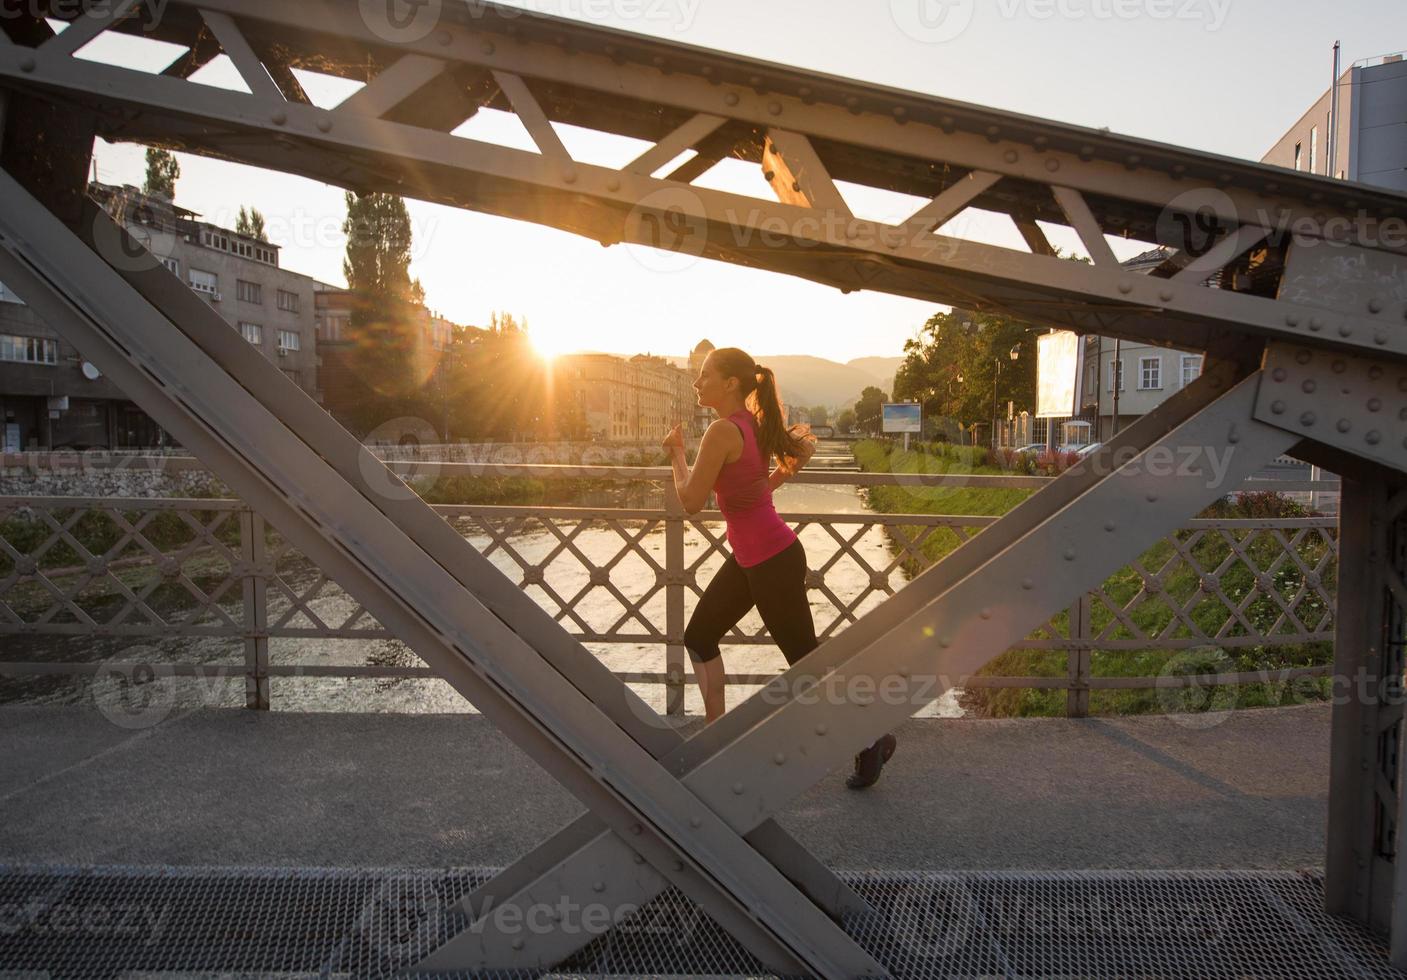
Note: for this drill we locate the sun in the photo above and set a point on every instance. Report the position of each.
(549, 345)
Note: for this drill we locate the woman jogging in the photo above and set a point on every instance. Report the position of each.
(767, 567)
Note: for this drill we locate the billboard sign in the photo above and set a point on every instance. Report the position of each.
(1059, 359)
(903, 417)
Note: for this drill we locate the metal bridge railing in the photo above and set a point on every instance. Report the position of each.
(76, 569)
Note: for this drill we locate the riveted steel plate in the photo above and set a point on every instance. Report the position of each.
(1355, 404)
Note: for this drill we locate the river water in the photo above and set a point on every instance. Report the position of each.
(566, 573)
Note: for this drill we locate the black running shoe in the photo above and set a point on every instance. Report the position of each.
(869, 762)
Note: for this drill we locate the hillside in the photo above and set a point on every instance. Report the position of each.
(807, 380)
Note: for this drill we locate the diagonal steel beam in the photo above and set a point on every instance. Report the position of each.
(555, 867)
(405, 588)
(355, 464)
(246, 62)
(393, 86)
(83, 29)
(1231, 247)
(1078, 547)
(691, 133)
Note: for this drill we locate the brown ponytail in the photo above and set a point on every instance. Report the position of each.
(760, 395)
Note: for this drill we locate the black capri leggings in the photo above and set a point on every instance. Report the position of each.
(777, 587)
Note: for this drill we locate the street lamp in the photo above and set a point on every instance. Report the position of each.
(1014, 354)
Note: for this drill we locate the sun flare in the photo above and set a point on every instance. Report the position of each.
(549, 345)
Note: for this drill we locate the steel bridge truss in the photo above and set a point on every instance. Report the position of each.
(1289, 283)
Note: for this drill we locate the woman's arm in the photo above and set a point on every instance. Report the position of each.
(694, 485)
(782, 474)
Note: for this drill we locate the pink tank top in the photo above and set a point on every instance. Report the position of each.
(755, 532)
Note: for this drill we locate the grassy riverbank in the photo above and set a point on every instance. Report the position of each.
(1184, 577)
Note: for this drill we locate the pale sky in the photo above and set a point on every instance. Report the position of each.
(1226, 76)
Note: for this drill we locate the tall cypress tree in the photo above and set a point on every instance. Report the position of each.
(389, 354)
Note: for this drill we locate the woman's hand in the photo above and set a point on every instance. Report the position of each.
(675, 439)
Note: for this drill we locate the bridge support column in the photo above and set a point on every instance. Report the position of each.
(1364, 879)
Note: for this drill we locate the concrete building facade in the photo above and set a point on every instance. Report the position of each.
(238, 275)
(1371, 129)
(50, 398)
(634, 400)
(1145, 375)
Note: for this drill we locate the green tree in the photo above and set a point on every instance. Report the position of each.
(504, 390)
(162, 171)
(869, 410)
(960, 364)
(845, 421)
(819, 415)
(391, 353)
(251, 223)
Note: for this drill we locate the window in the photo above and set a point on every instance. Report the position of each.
(1299, 156)
(1313, 148)
(294, 375)
(1150, 373)
(287, 301)
(249, 292)
(289, 340)
(28, 350)
(172, 264)
(205, 282)
(1191, 368)
(1116, 370)
(253, 333)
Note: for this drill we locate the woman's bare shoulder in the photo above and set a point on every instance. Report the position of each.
(727, 437)
(726, 431)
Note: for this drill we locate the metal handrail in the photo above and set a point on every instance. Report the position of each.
(261, 589)
(77, 462)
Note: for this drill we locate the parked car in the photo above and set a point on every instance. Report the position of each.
(1034, 449)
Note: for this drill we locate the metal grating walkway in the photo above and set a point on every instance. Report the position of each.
(125, 922)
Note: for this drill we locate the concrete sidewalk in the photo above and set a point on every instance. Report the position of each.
(236, 787)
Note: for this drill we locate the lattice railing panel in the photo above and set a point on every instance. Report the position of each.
(73, 566)
(161, 568)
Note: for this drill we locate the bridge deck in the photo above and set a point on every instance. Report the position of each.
(229, 787)
(283, 792)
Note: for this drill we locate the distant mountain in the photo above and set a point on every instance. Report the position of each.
(882, 368)
(808, 381)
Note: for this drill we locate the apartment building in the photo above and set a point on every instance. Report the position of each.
(238, 275)
(629, 400)
(51, 398)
